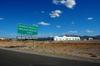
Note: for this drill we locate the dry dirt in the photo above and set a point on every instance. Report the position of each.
(87, 49)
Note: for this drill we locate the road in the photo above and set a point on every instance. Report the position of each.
(12, 58)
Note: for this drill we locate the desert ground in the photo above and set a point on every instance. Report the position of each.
(86, 49)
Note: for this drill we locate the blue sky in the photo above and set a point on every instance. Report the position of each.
(54, 17)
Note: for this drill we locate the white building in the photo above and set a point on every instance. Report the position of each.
(2, 38)
(65, 38)
(90, 38)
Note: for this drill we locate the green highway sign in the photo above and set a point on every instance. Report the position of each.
(27, 29)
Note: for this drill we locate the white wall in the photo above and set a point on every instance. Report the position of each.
(65, 38)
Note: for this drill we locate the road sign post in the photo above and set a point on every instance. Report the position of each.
(27, 30)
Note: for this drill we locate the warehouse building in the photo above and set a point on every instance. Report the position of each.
(66, 38)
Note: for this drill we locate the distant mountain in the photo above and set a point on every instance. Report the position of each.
(72, 35)
(97, 37)
(86, 37)
(82, 37)
(45, 39)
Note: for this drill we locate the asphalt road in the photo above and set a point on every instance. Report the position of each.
(12, 58)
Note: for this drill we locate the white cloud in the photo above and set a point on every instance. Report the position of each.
(68, 3)
(43, 23)
(42, 11)
(59, 1)
(55, 13)
(1, 18)
(58, 26)
(73, 31)
(89, 31)
(90, 18)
